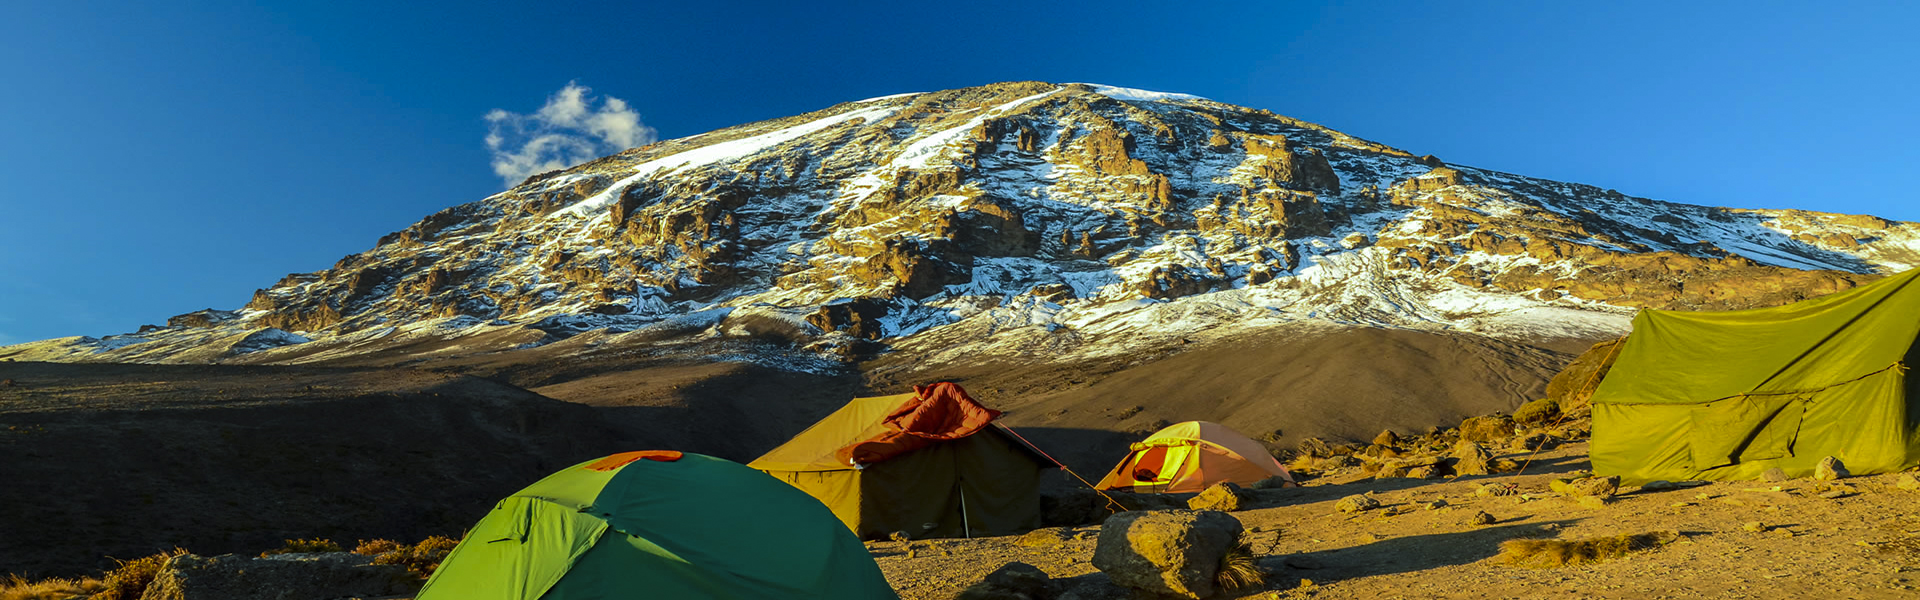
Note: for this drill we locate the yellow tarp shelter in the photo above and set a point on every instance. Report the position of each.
(1728, 395)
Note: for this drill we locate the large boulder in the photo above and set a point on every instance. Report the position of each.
(1172, 553)
(310, 576)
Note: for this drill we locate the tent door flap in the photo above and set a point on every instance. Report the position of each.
(1745, 429)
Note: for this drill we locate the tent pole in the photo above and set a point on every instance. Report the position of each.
(965, 527)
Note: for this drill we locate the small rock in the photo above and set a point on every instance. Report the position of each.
(1436, 504)
(1015, 581)
(1386, 438)
(1423, 472)
(1471, 459)
(1602, 487)
(1486, 429)
(1304, 563)
(1356, 503)
(1907, 481)
(1782, 532)
(1831, 469)
(1775, 474)
(1481, 518)
(1225, 496)
(1592, 502)
(1495, 489)
(898, 536)
(1754, 526)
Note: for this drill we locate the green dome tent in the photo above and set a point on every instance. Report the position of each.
(658, 525)
(1728, 395)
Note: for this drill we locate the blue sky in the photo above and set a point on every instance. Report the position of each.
(165, 158)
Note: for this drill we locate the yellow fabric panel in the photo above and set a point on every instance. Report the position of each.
(812, 450)
(1864, 423)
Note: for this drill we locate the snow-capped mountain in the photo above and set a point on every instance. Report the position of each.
(1021, 219)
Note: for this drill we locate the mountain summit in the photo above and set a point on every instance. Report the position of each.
(1027, 218)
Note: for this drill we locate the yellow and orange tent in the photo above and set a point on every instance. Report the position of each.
(1189, 457)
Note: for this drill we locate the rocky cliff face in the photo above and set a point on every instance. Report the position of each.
(1023, 217)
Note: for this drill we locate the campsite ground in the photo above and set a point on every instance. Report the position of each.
(1862, 545)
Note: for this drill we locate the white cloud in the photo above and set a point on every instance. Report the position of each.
(567, 131)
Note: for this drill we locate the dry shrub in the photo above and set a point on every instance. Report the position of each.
(130, 579)
(304, 546)
(15, 587)
(1238, 569)
(421, 558)
(376, 547)
(1559, 553)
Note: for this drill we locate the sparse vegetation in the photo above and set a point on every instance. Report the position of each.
(1238, 569)
(15, 587)
(421, 558)
(377, 547)
(130, 579)
(1560, 553)
(304, 546)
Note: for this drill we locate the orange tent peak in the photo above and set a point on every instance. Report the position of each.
(936, 412)
(624, 458)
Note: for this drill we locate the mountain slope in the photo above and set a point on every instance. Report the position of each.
(1029, 231)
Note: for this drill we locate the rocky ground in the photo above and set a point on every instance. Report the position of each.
(1859, 545)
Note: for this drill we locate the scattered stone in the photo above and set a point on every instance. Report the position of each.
(1314, 446)
(1225, 496)
(1831, 469)
(1832, 491)
(1051, 537)
(899, 536)
(1680, 505)
(1534, 441)
(1487, 429)
(1356, 503)
(1775, 474)
(1423, 472)
(1436, 504)
(1174, 552)
(1481, 518)
(1592, 501)
(278, 577)
(1907, 481)
(1754, 526)
(1601, 487)
(1386, 438)
(1304, 563)
(1496, 489)
(1782, 532)
(1015, 581)
(1471, 459)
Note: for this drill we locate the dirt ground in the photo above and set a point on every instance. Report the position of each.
(1862, 545)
